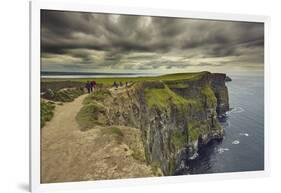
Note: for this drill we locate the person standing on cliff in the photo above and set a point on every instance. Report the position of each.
(88, 87)
(93, 85)
(115, 84)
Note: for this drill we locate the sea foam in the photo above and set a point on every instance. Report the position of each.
(244, 134)
(235, 142)
(221, 150)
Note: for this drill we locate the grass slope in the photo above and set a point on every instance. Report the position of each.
(63, 95)
(46, 112)
(91, 114)
(161, 97)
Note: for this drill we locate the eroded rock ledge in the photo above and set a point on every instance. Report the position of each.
(175, 117)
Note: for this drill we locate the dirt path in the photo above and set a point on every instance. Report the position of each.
(68, 154)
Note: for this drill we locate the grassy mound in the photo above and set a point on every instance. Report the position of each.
(115, 132)
(164, 96)
(98, 95)
(63, 95)
(46, 112)
(90, 115)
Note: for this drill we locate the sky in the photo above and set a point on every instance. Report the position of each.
(89, 42)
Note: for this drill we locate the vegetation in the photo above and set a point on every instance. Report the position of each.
(46, 112)
(172, 166)
(98, 95)
(163, 96)
(155, 167)
(138, 155)
(60, 84)
(209, 96)
(110, 81)
(197, 128)
(179, 139)
(189, 105)
(90, 115)
(176, 85)
(115, 132)
(63, 95)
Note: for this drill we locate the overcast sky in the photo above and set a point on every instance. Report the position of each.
(85, 42)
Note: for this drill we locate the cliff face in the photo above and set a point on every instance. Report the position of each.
(175, 117)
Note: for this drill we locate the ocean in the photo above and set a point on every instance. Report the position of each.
(242, 148)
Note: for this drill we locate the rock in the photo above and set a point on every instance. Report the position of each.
(176, 118)
(228, 79)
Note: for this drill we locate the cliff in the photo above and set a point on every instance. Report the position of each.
(176, 116)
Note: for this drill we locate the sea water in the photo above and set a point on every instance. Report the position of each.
(242, 148)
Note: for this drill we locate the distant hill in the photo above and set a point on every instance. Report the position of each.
(53, 73)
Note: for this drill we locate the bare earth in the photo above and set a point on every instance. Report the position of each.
(68, 154)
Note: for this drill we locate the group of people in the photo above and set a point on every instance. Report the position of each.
(115, 84)
(91, 86)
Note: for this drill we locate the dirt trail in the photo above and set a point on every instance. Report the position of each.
(68, 154)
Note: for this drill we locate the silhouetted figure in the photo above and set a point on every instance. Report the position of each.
(115, 84)
(94, 84)
(126, 84)
(121, 84)
(91, 86)
(88, 87)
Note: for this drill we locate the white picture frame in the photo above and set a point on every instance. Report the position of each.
(36, 6)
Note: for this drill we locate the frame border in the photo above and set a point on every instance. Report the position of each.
(34, 99)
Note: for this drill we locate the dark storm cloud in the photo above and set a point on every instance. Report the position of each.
(96, 41)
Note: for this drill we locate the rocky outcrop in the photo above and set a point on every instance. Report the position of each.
(176, 117)
(228, 79)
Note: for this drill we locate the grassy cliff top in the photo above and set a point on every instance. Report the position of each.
(167, 77)
(161, 97)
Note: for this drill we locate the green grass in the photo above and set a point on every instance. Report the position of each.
(90, 115)
(63, 95)
(179, 139)
(116, 131)
(46, 112)
(172, 166)
(161, 97)
(183, 76)
(98, 95)
(197, 128)
(175, 85)
(110, 81)
(210, 96)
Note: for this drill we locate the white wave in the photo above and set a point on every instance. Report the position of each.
(244, 134)
(236, 110)
(194, 156)
(221, 150)
(235, 142)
